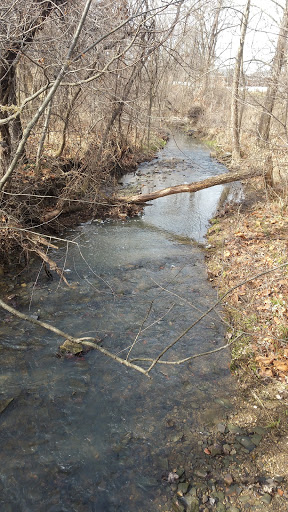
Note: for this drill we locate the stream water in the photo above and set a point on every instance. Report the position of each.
(86, 434)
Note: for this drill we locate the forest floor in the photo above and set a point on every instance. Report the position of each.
(240, 463)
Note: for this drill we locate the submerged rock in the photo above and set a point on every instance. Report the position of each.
(71, 347)
(246, 442)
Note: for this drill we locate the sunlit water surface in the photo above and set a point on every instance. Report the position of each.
(86, 434)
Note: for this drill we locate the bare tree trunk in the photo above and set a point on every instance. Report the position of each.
(66, 122)
(118, 109)
(46, 101)
(235, 118)
(7, 83)
(43, 137)
(11, 133)
(278, 62)
(212, 46)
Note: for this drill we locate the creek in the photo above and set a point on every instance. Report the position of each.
(86, 434)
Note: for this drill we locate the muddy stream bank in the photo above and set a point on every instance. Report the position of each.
(85, 434)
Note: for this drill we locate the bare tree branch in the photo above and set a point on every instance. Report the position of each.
(84, 341)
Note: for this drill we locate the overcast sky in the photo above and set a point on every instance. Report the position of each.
(261, 37)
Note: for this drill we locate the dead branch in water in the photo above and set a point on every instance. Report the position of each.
(221, 179)
(89, 342)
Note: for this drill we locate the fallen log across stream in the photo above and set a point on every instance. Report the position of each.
(221, 179)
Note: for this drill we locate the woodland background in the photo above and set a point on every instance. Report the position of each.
(87, 88)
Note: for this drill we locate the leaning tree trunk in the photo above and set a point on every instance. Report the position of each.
(221, 179)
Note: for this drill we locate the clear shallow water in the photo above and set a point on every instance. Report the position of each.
(87, 434)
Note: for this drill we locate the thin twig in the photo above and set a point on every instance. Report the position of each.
(139, 331)
(150, 325)
(209, 310)
(181, 361)
(182, 298)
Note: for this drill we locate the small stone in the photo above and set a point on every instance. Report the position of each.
(180, 472)
(233, 509)
(4, 403)
(170, 423)
(228, 479)
(200, 487)
(266, 498)
(192, 492)
(192, 503)
(173, 477)
(256, 439)
(260, 430)
(234, 429)
(270, 482)
(246, 442)
(215, 449)
(233, 451)
(177, 437)
(226, 449)
(174, 487)
(205, 498)
(233, 490)
(279, 479)
(183, 487)
(221, 428)
(224, 402)
(219, 495)
(201, 474)
(178, 507)
(71, 347)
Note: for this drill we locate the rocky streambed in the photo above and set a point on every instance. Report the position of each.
(235, 468)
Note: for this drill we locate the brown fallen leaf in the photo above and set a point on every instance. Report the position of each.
(265, 372)
(281, 366)
(240, 234)
(264, 360)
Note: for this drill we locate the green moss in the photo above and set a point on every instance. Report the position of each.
(212, 143)
(155, 145)
(283, 330)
